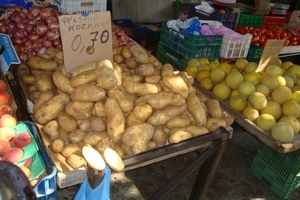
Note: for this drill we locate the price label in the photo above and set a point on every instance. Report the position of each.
(85, 38)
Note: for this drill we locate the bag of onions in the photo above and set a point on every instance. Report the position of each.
(31, 30)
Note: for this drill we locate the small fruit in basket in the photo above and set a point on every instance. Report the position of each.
(21, 139)
(296, 96)
(5, 98)
(266, 122)
(3, 86)
(203, 61)
(253, 77)
(246, 88)
(202, 74)
(292, 121)
(269, 81)
(6, 133)
(213, 64)
(238, 102)
(250, 113)
(241, 63)
(296, 69)
(251, 67)
(286, 65)
(289, 81)
(257, 100)
(281, 94)
(221, 91)
(282, 132)
(13, 155)
(234, 79)
(263, 89)
(217, 75)
(4, 146)
(274, 70)
(8, 121)
(193, 62)
(273, 108)
(26, 171)
(291, 108)
(206, 83)
(5, 109)
(191, 71)
(225, 66)
(280, 81)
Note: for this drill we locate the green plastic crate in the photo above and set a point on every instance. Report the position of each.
(191, 46)
(248, 19)
(254, 53)
(167, 55)
(153, 33)
(279, 172)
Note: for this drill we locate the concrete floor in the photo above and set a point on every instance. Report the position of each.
(232, 180)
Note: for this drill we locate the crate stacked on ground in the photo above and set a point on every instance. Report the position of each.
(136, 32)
(254, 53)
(271, 21)
(80, 6)
(153, 33)
(279, 172)
(248, 19)
(185, 47)
(227, 19)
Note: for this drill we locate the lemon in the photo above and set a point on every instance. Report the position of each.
(203, 61)
(193, 62)
(274, 70)
(241, 63)
(217, 75)
(253, 77)
(286, 65)
(251, 67)
(203, 67)
(246, 88)
(226, 67)
(206, 83)
(221, 91)
(202, 74)
(213, 64)
(191, 71)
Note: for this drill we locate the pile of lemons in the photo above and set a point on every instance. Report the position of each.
(268, 97)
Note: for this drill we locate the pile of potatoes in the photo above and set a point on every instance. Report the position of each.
(131, 105)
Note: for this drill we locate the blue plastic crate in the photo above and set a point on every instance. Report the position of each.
(138, 33)
(46, 188)
(10, 3)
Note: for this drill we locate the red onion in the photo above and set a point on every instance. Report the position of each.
(33, 37)
(18, 34)
(31, 21)
(52, 34)
(41, 29)
(17, 40)
(21, 25)
(36, 45)
(27, 43)
(3, 29)
(34, 11)
(45, 13)
(17, 18)
(29, 28)
(46, 43)
(41, 51)
(23, 57)
(22, 48)
(11, 26)
(18, 8)
(56, 42)
(53, 25)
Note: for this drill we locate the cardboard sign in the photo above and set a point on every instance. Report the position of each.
(270, 53)
(85, 37)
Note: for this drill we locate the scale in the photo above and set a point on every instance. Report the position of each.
(279, 9)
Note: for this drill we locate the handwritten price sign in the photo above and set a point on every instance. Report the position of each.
(85, 38)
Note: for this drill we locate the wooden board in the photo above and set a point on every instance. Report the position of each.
(251, 127)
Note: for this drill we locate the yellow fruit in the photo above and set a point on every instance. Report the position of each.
(226, 67)
(282, 132)
(281, 94)
(263, 89)
(269, 98)
(206, 83)
(203, 61)
(292, 108)
(241, 63)
(269, 81)
(286, 65)
(238, 102)
(221, 91)
(295, 88)
(213, 64)
(191, 71)
(262, 73)
(296, 69)
(265, 122)
(257, 100)
(296, 96)
(253, 77)
(193, 62)
(278, 62)
(217, 75)
(280, 81)
(234, 92)
(272, 108)
(203, 67)
(297, 82)
(290, 74)
(202, 74)
(292, 121)
(251, 67)
(234, 79)
(289, 81)
(250, 113)
(246, 88)
(274, 70)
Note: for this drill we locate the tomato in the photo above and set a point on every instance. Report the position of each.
(294, 42)
(263, 30)
(256, 38)
(289, 34)
(253, 32)
(222, 11)
(286, 42)
(256, 43)
(293, 38)
(283, 35)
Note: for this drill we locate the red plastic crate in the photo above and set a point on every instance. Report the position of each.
(271, 21)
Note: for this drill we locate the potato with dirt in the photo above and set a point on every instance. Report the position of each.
(80, 109)
(44, 96)
(62, 82)
(125, 104)
(67, 122)
(42, 64)
(44, 82)
(88, 92)
(176, 84)
(139, 114)
(106, 76)
(86, 77)
(139, 89)
(196, 108)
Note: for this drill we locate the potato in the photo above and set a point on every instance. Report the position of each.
(179, 135)
(127, 150)
(57, 145)
(151, 145)
(90, 66)
(50, 53)
(98, 124)
(85, 125)
(167, 70)
(178, 121)
(92, 138)
(227, 118)
(125, 52)
(76, 161)
(153, 78)
(117, 50)
(196, 130)
(104, 143)
(85, 77)
(162, 116)
(88, 92)
(76, 136)
(36, 72)
(106, 76)
(51, 129)
(67, 122)
(23, 69)
(118, 58)
(80, 109)
(115, 120)
(119, 73)
(28, 79)
(139, 114)
(62, 82)
(98, 109)
(176, 84)
(160, 137)
(120, 151)
(140, 55)
(145, 69)
(161, 99)
(59, 57)
(139, 89)
(138, 136)
(213, 123)
(131, 63)
(70, 149)
(213, 108)
(42, 64)
(195, 107)
(50, 109)
(188, 80)
(32, 88)
(44, 96)
(34, 95)
(125, 104)
(43, 82)
(64, 135)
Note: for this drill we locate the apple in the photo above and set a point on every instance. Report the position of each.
(4, 147)
(13, 155)
(8, 121)
(28, 162)
(5, 98)
(3, 86)
(21, 139)
(5, 109)
(6, 133)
